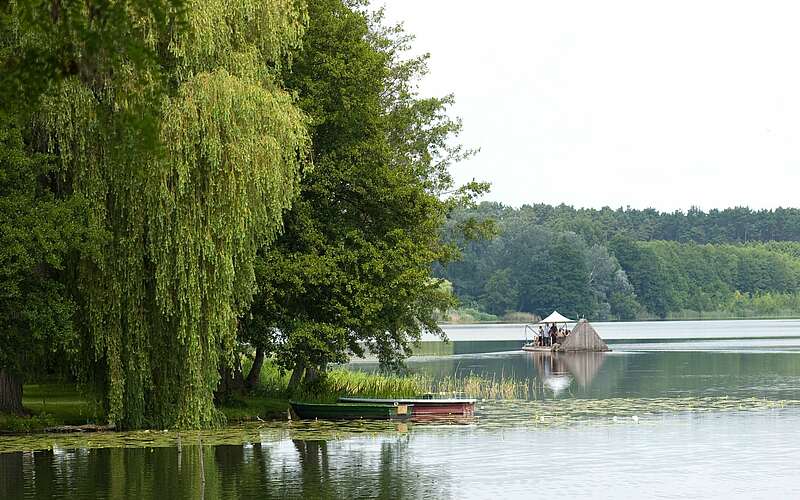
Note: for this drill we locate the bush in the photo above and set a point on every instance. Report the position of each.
(19, 424)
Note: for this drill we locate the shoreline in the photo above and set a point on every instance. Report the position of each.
(644, 320)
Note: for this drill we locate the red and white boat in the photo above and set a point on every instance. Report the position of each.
(453, 407)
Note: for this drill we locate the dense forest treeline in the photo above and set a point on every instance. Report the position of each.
(730, 225)
(628, 264)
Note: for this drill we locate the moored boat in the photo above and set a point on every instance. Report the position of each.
(351, 411)
(455, 407)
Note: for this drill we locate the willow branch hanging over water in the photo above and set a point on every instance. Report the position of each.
(178, 215)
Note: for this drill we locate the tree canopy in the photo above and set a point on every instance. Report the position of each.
(186, 158)
(352, 269)
(38, 232)
(175, 159)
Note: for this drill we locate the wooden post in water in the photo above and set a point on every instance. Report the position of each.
(180, 451)
(202, 473)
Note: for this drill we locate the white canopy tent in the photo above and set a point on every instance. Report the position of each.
(556, 317)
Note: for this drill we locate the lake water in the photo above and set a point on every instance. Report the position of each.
(677, 410)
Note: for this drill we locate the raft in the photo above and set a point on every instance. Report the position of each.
(582, 338)
(538, 348)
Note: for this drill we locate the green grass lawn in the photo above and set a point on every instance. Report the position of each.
(64, 402)
(51, 405)
(254, 407)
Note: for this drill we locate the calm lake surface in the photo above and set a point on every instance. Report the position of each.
(678, 410)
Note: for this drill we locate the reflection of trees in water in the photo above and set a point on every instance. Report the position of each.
(53, 473)
(375, 467)
(107, 473)
(313, 458)
(364, 468)
(675, 373)
(12, 477)
(646, 372)
(238, 468)
(742, 374)
(596, 374)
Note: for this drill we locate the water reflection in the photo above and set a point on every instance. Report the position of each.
(698, 414)
(376, 467)
(669, 456)
(557, 371)
(639, 374)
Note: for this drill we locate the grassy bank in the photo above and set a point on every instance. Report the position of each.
(271, 398)
(52, 405)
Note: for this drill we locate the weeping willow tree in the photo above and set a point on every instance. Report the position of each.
(180, 202)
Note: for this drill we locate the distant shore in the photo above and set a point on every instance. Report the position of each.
(522, 318)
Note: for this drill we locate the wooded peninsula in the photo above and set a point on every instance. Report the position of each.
(205, 201)
(187, 186)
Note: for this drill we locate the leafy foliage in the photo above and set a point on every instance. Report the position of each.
(38, 231)
(730, 225)
(186, 151)
(353, 267)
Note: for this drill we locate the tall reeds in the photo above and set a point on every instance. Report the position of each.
(344, 382)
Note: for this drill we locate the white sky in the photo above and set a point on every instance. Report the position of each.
(663, 104)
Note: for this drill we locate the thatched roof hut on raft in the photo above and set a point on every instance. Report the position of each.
(582, 338)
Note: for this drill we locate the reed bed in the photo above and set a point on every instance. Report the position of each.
(273, 380)
(477, 386)
(343, 382)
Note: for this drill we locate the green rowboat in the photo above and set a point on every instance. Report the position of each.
(351, 411)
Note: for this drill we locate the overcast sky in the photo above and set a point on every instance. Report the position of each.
(663, 104)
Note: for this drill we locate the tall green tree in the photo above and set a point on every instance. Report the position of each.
(353, 267)
(639, 261)
(38, 231)
(182, 197)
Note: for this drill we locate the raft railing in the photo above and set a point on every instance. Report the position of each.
(529, 327)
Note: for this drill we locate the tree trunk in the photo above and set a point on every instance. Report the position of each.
(231, 381)
(254, 375)
(297, 376)
(312, 375)
(10, 394)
